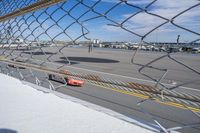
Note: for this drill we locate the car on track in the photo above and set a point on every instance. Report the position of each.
(68, 80)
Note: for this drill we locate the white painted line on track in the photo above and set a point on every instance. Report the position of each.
(143, 80)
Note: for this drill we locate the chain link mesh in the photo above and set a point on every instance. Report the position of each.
(40, 40)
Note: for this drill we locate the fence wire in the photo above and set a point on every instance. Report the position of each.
(39, 37)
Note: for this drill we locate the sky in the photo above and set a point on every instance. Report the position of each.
(102, 28)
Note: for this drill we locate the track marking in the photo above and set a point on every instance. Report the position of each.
(123, 76)
(138, 79)
(173, 104)
(2, 58)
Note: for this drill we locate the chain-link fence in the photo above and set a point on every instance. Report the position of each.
(71, 38)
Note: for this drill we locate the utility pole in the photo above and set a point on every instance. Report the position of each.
(177, 41)
(8, 34)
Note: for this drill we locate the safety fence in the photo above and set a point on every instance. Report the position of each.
(35, 35)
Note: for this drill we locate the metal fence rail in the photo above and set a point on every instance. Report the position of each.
(29, 28)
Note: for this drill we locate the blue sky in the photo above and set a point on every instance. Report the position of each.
(99, 28)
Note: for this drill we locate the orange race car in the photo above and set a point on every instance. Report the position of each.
(68, 80)
(75, 82)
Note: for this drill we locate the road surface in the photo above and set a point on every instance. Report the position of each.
(117, 62)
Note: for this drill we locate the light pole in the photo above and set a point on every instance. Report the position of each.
(177, 41)
(8, 34)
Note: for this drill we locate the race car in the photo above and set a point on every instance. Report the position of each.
(75, 82)
(67, 80)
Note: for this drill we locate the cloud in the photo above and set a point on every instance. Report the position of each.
(169, 4)
(111, 28)
(142, 23)
(135, 2)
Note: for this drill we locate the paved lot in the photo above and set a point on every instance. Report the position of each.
(118, 62)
